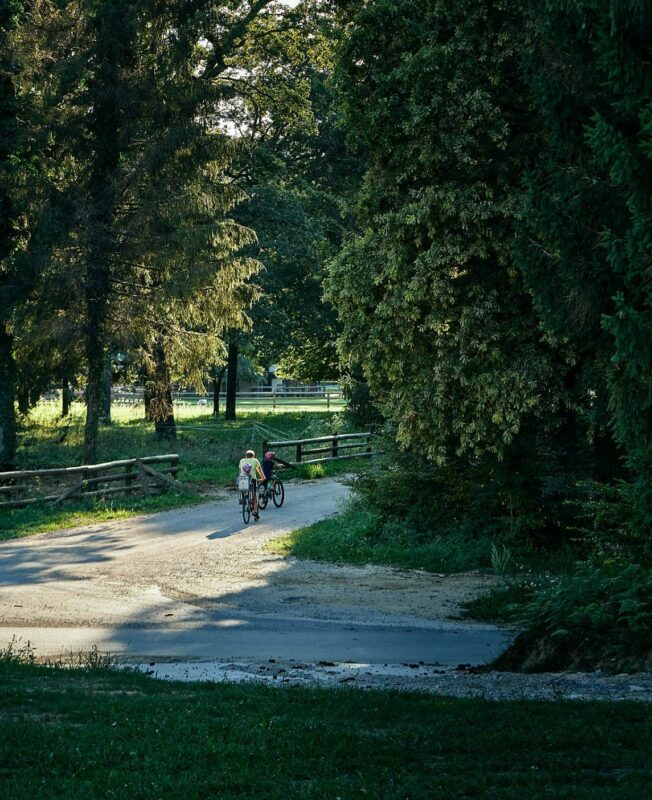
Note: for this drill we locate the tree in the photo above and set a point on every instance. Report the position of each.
(295, 169)
(8, 125)
(154, 253)
(431, 304)
(585, 243)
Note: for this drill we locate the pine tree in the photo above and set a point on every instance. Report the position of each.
(10, 284)
(150, 250)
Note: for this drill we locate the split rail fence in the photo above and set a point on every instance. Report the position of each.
(355, 445)
(134, 476)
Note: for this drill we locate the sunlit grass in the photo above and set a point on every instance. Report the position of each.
(358, 536)
(209, 449)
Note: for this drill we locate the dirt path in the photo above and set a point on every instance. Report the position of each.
(195, 582)
(183, 564)
(193, 594)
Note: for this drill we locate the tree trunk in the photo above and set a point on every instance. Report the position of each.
(158, 393)
(609, 461)
(9, 112)
(114, 33)
(231, 381)
(7, 397)
(94, 383)
(217, 388)
(22, 395)
(148, 398)
(66, 397)
(105, 416)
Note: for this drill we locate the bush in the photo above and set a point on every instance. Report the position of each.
(607, 523)
(598, 618)
(484, 500)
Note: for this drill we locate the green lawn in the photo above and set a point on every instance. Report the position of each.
(101, 734)
(209, 451)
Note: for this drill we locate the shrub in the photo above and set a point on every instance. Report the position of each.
(598, 618)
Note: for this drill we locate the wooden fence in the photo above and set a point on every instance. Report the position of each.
(133, 476)
(356, 445)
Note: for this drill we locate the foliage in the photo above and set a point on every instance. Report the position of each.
(296, 171)
(431, 305)
(600, 617)
(360, 405)
(585, 245)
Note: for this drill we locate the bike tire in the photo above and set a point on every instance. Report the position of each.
(278, 493)
(263, 499)
(246, 510)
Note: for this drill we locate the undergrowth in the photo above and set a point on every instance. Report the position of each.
(598, 617)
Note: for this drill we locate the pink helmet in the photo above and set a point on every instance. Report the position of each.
(269, 455)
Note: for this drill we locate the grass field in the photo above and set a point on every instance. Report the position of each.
(209, 452)
(103, 734)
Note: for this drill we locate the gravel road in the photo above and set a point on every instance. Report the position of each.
(194, 594)
(196, 583)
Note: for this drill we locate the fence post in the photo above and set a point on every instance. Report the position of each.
(298, 454)
(273, 401)
(369, 443)
(328, 401)
(334, 451)
(144, 480)
(265, 447)
(128, 479)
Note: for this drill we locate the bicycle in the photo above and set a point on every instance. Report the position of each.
(246, 491)
(274, 490)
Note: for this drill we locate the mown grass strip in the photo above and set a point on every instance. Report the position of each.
(104, 734)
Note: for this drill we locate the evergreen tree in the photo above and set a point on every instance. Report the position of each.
(586, 243)
(152, 251)
(8, 123)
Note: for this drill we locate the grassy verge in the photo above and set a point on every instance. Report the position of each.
(21, 522)
(103, 734)
(356, 536)
(209, 451)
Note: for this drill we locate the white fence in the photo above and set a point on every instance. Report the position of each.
(286, 398)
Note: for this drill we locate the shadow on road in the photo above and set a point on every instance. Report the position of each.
(165, 585)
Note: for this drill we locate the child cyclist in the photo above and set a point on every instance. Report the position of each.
(250, 465)
(268, 466)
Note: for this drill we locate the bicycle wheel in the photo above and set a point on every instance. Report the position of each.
(278, 493)
(263, 499)
(246, 508)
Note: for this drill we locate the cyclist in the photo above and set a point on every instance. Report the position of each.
(254, 472)
(268, 466)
